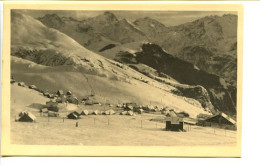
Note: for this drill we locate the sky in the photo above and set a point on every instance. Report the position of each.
(169, 18)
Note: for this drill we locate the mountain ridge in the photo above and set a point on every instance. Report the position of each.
(206, 42)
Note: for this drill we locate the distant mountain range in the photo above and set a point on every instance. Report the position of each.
(200, 54)
(210, 42)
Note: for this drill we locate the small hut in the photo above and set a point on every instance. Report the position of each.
(60, 92)
(32, 87)
(221, 120)
(73, 115)
(84, 112)
(53, 114)
(119, 106)
(61, 99)
(12, 81)
(69, 93)
(46, 93)
(44, 110)
(109, 112)
(112, 112)
(129, 108)
(173, 122)
(140, 111)
(26, 117)
(183, 114)
(50, 96)
(21, 84)
(72, 99)
(123, 113)
(52, 106)
(130, 113)
(96, 112)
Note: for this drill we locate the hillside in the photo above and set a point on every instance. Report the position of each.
(160, 64)
(33, 44)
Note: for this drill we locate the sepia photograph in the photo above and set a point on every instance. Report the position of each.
(122, 77)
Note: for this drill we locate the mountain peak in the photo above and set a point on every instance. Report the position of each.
(52, 20)
(108, 13)
(109, 16)
(150, 26)
(50, 16)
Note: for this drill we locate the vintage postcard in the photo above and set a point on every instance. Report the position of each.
(122, 79)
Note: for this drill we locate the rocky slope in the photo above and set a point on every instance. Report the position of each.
(217, 92)
(209, 42)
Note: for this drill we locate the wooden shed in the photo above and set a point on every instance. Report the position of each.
(220, 120)
(52, 106)
(173, 122)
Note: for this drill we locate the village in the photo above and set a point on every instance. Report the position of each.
(64, 105)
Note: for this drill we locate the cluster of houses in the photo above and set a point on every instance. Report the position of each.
(144, 108)
(174, 121)
(59, 96)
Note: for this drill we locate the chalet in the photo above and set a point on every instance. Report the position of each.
(72, 99)
(32, 87)
(220, 120)
(50, 96)
(61, 99)
(69, 93)
(173, 122)
(60, 92)
(26, 117)
(21, 84)
(140, 111)
(84, 112)
(74, 115)
(96, 112)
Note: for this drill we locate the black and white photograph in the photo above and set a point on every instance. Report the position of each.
(124, 78)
